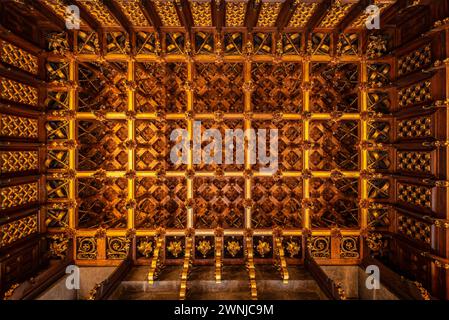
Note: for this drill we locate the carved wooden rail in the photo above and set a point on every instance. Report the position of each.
(403, 288)
(218, 258)
(186, 268)
(250, 267)
(331, 289)
(281, 263)
(156, 262)
(104, 289)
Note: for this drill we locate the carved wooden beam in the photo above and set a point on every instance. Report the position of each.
(353, 14)
(252, 13)
(285, 14)
(150, 12)
(322, 9)
(186, 14)
(49, 14)
(84, 15)
(119, 15)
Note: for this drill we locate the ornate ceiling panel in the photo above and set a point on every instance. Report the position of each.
(100, 12)
(166, 9)
(235, 13)
(303, 13)
(336, 13)
(134, 12)
(269, 12)
(201, 12)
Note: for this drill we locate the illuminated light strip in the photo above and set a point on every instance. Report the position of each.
(156, 261)
(280, 257)
(186, 268)
(218, 258)
(250, 267)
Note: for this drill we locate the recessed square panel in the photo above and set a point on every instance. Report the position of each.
(335, 203)
(102, 145)
(219, 202)
(160, 203)
(335, 145)
(102, 202)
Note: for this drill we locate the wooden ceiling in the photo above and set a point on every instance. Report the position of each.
(132, 15)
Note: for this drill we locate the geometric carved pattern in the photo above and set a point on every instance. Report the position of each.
(415, 161)
(160, 203)
(219, 202)
(291, 43)
(319, 44)
(102, 202)
(117, 42)
(134, 13)
(302, 14)
(334, 202)
(334, 88)
(18, 58)
(101, 145)
(415, 94)
(17, 230)
(235, 13)
(146, 43)
(289, 146)
(57, 189)
(379, 102)
(201, 13)
(87, 43)
(86, 248)
(160, 87)
(57, 159)
(348, 44)
(415, 128)
(167, 13)
(218, 87)
(320, 247)
(176, 43)
(18, 195)
(337, 145)
(100, 12)
(415, 60)
(117, 247)
(349, 247)
(268, 13)
(379, 160)
(15, 161)
(18, 92)
(57, 100)
(102, 87)
(335, 14)
(414, 229)
(278, 87)
(263, 43)
(277, 203)
(379, 131)
(378, 74)
(420, 196)
(154, 145)
(57, 72)
(18, 127)
(204, 43)
(233, 43)
(237, 164)
(378, 188)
